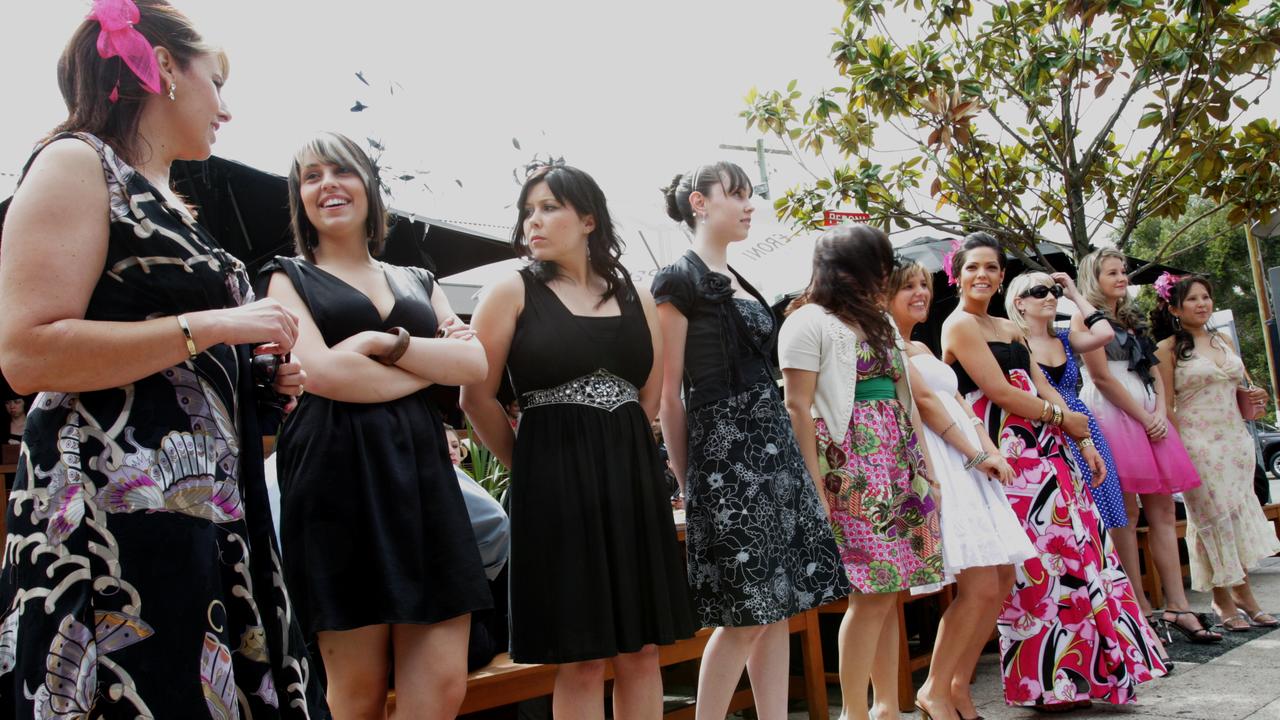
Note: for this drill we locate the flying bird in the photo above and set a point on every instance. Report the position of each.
(406, 177)
(516, 143)
(458, 181)
(360, 77)
(359, 106)
(376, 145)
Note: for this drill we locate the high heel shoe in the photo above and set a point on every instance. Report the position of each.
(924, 714)
(1199, 636)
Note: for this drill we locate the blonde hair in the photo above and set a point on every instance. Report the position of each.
(1126, 312)
(1017, 286)
(903, 273)
(331, 147)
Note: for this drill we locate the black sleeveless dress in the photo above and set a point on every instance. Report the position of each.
(595, 567)
(141, 577)
(373, 527)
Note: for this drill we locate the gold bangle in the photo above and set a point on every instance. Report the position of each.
(1085, 442)
(1057, 415)
(186, 335)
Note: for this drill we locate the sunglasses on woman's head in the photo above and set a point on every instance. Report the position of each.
(1041, 292)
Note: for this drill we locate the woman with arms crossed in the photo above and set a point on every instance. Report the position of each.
(377, 545)
(595, 570)
(140, 577)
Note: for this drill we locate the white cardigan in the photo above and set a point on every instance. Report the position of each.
(813, 339)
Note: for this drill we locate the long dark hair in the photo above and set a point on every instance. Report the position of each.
(851, 268)
(579, 191)
(87, 80)
(703, 179)
(1164, 324)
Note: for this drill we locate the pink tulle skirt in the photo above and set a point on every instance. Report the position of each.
(1145, 467)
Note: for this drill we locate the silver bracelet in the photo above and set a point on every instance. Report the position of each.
(976, 460)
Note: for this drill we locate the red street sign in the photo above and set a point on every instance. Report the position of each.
(835, 217)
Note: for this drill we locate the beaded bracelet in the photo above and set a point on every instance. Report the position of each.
(944, 432)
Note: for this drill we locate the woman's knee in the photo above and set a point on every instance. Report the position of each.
(644, 660)
(582, 674)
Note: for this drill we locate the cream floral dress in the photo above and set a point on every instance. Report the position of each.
(1226, 530)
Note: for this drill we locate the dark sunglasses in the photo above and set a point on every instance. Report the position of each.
(1041, 292)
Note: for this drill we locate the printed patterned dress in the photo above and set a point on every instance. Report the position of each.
(1226, 531)
(759, 549)
(1107, 497)
(1071, 629)
(884, 519)
(141, 577)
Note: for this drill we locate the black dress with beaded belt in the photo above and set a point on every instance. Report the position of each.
(595, 567)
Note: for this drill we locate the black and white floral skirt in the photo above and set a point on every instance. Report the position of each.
(759, 545)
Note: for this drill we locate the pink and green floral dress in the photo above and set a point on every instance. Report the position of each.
(884, 519)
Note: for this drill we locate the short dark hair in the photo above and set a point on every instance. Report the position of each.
(331, 147)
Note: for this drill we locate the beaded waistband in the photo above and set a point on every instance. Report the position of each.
(601, 389)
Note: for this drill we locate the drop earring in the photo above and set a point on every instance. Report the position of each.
(172, 87)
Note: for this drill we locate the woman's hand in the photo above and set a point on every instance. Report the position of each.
(1096, 465)
(1075, 424)
(262, 321)
(1258, 396)
(1068, 285)
(455, 329)
(1156, 425)
(997, 468)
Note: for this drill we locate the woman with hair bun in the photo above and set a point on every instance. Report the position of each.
(595, 571)
(759, 546)
(1120, 385)
(1226, 531)
(1070, 630)
(141, 577)
(856, 422)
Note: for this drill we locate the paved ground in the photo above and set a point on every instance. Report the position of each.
(1242, 682)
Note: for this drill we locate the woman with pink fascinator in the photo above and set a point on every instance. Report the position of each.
(141, 576)
(1209, 398)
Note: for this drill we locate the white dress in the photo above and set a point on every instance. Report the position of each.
(979, 528)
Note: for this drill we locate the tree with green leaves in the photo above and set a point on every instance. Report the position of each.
(1089, 115)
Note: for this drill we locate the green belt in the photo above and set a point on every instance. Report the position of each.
(876, 388)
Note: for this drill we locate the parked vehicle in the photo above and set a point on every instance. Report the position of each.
(1269, 437)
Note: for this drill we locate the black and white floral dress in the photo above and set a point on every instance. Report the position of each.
(759, 546)
(140, 576)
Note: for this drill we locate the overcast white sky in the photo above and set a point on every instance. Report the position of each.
(631, 92)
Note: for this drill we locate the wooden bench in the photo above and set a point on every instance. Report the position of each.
(503, 682)
(1151, 576)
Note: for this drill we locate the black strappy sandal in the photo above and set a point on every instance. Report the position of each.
(1199, 636)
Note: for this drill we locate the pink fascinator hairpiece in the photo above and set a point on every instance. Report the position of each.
(118, 38)
(946, 261)
(1164, 284)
